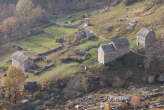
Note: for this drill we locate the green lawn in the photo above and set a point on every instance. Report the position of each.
(94, 53)
(44, 42)
(60, 71)
(59, 31)
(90, 44)
(31, 45)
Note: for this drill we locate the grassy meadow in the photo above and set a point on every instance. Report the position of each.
(100, 21)
(44, 42)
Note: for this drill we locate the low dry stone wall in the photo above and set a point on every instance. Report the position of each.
(51, 51)
(41, 70)
(69, 25)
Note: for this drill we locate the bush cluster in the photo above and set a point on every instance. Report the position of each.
(129, 2)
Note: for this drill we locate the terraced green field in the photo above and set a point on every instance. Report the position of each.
(61, 71)
(45, 41)
(39, 43)
(59, 31)
(90, 44)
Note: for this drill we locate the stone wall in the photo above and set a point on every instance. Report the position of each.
(33, 32)
(69, 25)
(51, 51)
(37, 72)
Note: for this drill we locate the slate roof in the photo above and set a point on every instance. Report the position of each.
(108, 47)
(19, 56)
(119, 43)
(143, 32)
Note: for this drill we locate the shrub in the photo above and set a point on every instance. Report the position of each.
(129, 2)
(135, 101)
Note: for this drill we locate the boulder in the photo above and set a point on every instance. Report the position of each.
(74, 88)
(110, 28)
(132, 22)
(104, 10)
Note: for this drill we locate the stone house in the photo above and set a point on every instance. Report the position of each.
(22, 61)
(145, 38)
(115, 49)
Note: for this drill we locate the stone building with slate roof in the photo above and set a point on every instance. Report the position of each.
(145, 38)
(115, 49)
(22, 61)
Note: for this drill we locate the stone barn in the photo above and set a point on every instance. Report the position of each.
(145, 38)
(115, 49)
(22, 61)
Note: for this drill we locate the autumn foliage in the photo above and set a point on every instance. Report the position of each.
(106, 106)
(135, 101)
(9, 27)
(14, 82)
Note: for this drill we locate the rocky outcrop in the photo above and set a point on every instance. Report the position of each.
(74, 88)
(79, 86)
(118, 82)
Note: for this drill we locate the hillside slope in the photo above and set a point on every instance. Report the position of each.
(69, 79)
(120, 16)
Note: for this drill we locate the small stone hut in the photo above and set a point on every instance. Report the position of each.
(145, 38)
(115, 49)
(22, 61)
(85, 34)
